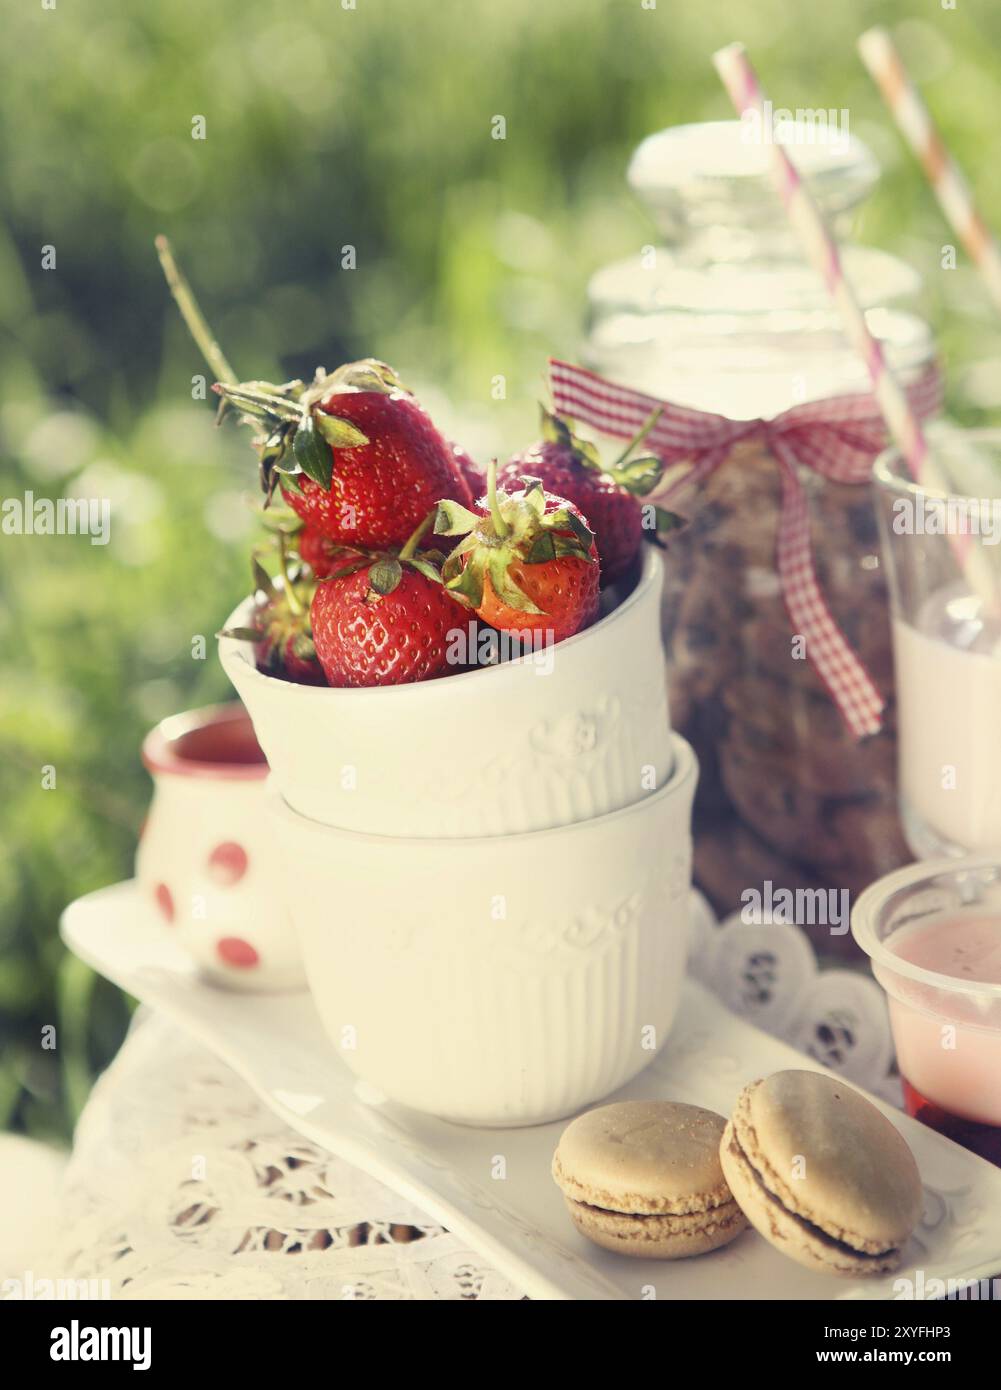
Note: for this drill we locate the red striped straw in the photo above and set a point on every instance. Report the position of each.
(741, 82)
(887, 70)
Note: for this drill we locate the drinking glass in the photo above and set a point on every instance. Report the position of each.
(941, 552)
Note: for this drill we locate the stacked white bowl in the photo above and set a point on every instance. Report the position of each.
(489, 873)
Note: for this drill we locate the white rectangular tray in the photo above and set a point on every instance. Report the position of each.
(510, 1211)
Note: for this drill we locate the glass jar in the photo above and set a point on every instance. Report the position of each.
(727, 317)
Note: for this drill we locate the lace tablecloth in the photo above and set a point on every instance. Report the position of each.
(183, 1184)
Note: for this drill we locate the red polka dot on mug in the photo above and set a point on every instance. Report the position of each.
(228, 863)
(236, 952)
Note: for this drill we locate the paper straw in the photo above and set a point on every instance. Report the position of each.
(914, 120)
(738, 76)
(741, 82)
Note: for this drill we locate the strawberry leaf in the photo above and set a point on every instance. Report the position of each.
(241, 634)
(543, 549)
(638, 476)
(262, 580)
(452, 519)
(368, 375)
(453, 563)
(339, 434)
(468, 583)
(290, 480)
(567, 546)
(276, 443)
(587, 454)
(385, 575)
(567, 520)
(535, 495)
(312, 453)
(258, 399)
(425, 567)
(503, 586)
(556, 429)
(583, 534)
(553, 546)
(668, 521)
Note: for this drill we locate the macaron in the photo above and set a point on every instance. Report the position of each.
(822, 1174)
(643, 1178)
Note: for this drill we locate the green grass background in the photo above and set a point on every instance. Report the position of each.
(325, 127)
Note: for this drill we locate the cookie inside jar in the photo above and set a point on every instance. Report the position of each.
(727, 318)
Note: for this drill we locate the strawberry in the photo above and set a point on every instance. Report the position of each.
(476, 478)
(319, 552)
(355, 455)
(279, 626)
(528, 562)
(387, 621)
(572, 468)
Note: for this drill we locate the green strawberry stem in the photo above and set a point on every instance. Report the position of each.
(501, 529)
(197, 324)
(412, 542)
(638, 438)
(289, 587)
(253, 399)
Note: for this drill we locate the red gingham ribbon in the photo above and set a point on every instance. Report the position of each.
(838, 438)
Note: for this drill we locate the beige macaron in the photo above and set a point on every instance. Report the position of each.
(822, 1174)
(643, 1178)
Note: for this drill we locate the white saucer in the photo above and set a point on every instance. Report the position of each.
(492, 1187)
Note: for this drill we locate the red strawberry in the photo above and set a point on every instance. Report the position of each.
(320, 553)
(572, 468)
(386, 622)
(279, 626)
(356, 456)
(528, 563)
(476, 478)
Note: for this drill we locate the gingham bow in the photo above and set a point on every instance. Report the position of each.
(838, 437)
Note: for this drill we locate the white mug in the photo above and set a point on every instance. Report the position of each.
(204, 864)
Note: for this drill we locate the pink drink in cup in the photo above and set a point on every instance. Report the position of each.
(933, 932)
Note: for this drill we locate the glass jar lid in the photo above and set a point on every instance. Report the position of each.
(731, 317)
(718, 173)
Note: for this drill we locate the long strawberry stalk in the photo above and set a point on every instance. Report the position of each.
(290, 593)
(291, 436)
(197, 324)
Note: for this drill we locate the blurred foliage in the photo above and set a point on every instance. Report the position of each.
(325, 127)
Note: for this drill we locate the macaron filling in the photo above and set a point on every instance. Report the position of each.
(809, 1227)
(708, 1214)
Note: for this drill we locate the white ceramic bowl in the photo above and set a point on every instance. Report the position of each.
(497, 981)
(496, 751)
(205, 863)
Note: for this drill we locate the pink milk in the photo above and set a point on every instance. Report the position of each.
(948, 1041)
